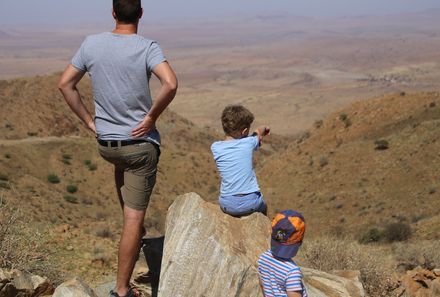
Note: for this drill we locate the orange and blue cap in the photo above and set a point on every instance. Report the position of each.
(288, 228)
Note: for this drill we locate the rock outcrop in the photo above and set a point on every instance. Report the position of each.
(23, 284)
(210, 254)
(420, 283)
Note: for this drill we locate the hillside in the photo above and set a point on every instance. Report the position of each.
(334, 173)
(344, 178)
(40, 136)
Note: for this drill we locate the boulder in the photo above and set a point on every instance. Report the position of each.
(74, 288)
(342, 283)
(18, 283)
(104, 289)
(208, 253)
(420, 282)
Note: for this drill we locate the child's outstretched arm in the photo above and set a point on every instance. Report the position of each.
(261, 132)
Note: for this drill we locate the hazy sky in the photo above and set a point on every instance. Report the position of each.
(98, 11)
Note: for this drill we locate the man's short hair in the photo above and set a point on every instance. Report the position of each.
(236, 117)
(127, 11)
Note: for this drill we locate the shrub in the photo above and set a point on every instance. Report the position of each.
(71, 189)
(318, 124)
(303, 137)
(422, 253)
(53, 178)
(3, 177)
(86, 201)
(90, 165)
(344, 118)
(323, 161)
(8, 156)
(66, 161)
(397, 232)
(100, 215)
(381, 144)
(372, 235)
(326, 253)
(5, 185)
(71, 199)
(103, 232)
(93, 167)
(67, 156)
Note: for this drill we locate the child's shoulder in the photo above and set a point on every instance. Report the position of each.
(241, 143)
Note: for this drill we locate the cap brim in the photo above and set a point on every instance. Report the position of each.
(284, 251)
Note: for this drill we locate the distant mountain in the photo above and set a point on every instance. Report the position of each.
(3, 34)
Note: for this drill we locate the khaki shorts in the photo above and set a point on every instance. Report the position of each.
(139, 163)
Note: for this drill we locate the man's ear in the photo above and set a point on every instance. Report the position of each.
(142, 13)
(114, 14)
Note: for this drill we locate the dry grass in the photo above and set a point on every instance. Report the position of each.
(20, 248)
(423, 253)
(329, 254)
(103, 232)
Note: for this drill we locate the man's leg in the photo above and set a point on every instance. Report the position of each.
(129, 247)
(119, 182)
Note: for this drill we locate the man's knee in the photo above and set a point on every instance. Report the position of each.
(133, 216)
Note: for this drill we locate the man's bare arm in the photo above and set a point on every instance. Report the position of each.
(168, 90)
(67, 85)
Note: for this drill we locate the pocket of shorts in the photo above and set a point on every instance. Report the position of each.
(142, 162)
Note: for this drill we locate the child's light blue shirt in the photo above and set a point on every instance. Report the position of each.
(235, 165)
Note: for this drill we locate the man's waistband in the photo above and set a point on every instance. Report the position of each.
(118, 143)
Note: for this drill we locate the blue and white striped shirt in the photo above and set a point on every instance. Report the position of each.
(279, 277)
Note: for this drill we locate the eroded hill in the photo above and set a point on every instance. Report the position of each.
(50, 170)
(372, 163)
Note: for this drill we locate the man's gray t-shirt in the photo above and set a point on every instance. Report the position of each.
(120, 67)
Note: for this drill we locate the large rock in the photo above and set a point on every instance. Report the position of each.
(74, 288)
(321, 284)
(419, 282)
(207, 253)
(210, 254)
(17, 283)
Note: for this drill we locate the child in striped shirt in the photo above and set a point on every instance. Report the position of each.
(279, 274)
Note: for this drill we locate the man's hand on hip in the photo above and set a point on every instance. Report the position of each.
(143, 128)
(91, 126)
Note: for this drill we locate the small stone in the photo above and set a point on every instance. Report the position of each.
(63, 228)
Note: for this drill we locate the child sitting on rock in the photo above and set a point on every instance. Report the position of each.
(279, 274)
(239, 191)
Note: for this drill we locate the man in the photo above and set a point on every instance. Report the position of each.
(120, 64)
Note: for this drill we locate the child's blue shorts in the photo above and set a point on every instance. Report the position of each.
(241, 205)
